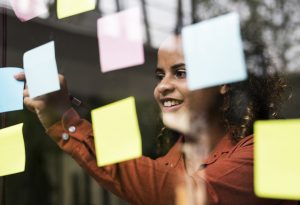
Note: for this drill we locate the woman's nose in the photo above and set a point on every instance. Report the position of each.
(166, 86)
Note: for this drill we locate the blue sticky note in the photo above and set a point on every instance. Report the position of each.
(41, 70)
(213, 52)
(11, 90)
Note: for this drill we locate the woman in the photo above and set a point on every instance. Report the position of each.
(227, 171)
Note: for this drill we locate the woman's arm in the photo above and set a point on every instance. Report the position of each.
(139, 181)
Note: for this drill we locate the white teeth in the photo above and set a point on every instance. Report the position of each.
(167, 103)
(170, 103)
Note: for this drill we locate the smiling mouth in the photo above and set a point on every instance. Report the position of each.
(171, 103)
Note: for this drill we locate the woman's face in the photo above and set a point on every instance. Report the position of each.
(171, 91)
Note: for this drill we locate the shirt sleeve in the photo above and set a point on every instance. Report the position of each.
(139, 181)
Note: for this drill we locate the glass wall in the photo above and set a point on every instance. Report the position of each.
(51, 176)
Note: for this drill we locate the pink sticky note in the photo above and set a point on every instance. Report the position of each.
(28, 9)
(120, 38)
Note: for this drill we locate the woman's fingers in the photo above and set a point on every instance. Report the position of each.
(29, 103)
(20, 76)
(49, 107)
(25, 93)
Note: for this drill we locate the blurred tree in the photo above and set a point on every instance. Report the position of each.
(270, 30)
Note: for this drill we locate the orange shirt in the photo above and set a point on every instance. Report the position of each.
(228, 171)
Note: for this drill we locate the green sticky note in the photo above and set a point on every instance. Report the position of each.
(276, 159)
(12, 150)
(116, 131)
(66, 8)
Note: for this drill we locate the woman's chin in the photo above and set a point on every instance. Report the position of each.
(177, 121)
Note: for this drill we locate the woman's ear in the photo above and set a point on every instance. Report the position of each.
(224, 89)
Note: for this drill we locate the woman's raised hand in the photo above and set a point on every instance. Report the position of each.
(49, 107)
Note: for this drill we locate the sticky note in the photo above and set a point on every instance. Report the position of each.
(12, 150)
(116, 132)
(213, 52)
(29, 9)
(11, 90)
(66, 8)
(41, 70)
(120, 38)
(276, 159)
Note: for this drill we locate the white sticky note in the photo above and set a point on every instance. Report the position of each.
(66, 8)
(276, 159)
(116, 131)
(11, 90)
(41, 70)
(12, 150)
(29, 9)
(120, 38)
(213, 52)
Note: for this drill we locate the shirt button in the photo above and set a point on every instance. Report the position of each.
(65, 136)
(72, 129)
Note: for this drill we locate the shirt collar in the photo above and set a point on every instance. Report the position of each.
(223, 146)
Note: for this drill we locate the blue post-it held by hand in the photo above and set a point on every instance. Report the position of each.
(41, 70)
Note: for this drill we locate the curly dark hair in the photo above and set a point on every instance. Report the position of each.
(257, 98)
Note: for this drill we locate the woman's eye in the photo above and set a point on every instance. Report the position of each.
(181, 74)
(159, 76)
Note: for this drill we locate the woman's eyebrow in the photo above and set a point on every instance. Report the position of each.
(158, 70)
(177, 65)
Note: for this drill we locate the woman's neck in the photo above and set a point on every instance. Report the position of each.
(206, 132)
(200, 142)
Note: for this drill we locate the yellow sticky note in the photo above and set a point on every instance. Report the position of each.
(276, 159)
(12, 150)
(116, 131)
(66, 8)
